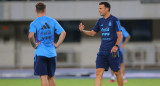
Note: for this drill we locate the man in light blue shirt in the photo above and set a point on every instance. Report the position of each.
(41, 36)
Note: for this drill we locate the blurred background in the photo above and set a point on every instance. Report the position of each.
(141, 18)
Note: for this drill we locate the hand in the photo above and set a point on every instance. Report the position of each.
(81, 27)
(36, 45)
(114, 49)
(56, 45)
(122, 46)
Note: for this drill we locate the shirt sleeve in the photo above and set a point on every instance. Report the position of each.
(58, 28)
(124, 32)
(96, 27)
(117, 25)
(32, 28)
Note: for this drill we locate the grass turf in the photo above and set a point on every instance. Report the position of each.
(78, 82)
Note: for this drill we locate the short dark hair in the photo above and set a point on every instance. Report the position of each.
(106, 4)
(40, 6)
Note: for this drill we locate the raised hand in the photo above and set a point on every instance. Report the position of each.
(81, 27)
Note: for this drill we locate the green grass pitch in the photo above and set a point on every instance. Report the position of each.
(78, 82)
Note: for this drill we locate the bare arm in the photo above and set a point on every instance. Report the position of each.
(125, 41)
(32, 40)
(89, 33)
(61, 39)
(119, 39)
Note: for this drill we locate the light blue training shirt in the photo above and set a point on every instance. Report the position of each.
(44, 29)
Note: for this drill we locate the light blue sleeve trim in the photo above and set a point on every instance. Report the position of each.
(119, 26)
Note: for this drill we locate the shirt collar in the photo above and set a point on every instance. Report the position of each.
(108, 17)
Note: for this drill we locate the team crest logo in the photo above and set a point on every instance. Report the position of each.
(110, 24)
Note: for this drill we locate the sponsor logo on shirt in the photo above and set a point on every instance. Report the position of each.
(105, 32)
(105, 29)
(106, 38)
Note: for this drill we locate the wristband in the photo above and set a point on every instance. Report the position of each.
(116, 45)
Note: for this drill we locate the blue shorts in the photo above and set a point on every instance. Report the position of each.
(105, 60)
(121, 57)
(44, 66)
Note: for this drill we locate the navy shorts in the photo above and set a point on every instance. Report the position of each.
(44, 66)
(121, 57)
(105, 60)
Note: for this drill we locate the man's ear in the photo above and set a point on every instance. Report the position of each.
(107, 9)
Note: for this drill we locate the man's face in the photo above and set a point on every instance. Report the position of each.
(103, 10)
